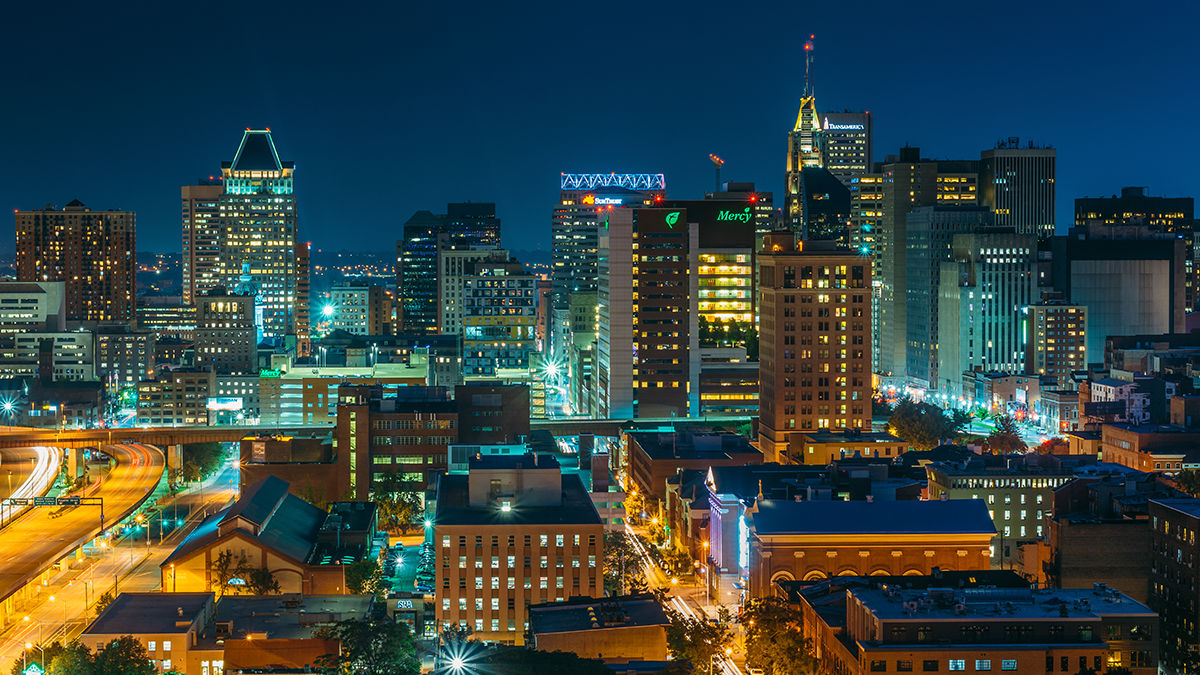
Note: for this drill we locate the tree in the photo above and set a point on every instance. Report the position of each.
(103, 601)
(364, 577)
(374, 647)
(774, 639)
(313, 495)
(677, 562)
(697, 640)
(205, 459)
(124, 656)
(922, 425)
(1188, 481)
(260, 581)
(622, 563)
(226, 567)
(75, 659)
(1006, 437)
(35, 655)
(959, 420)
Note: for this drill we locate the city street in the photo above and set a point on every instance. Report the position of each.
(689, 600)
(127, 564)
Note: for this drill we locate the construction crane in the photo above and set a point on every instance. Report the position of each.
(718, 161)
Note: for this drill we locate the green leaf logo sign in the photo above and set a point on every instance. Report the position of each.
(672, 218)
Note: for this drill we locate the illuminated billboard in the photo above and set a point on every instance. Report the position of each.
(224, 403)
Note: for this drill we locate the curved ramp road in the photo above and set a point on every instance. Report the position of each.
(35, 541)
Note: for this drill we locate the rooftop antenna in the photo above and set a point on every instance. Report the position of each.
(809, 75)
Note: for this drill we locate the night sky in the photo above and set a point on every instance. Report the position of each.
(388, 108)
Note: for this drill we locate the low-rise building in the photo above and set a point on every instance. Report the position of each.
(1058, 410)
(304, 547)
(728, 381)
(875, 625)
(514, 532)
(307, 464)
(1018, 497)
(197, 634)
(614, 629)
(823, 446)
(124, 357)
(1166, 447)
(305, 395)
(654, 456)
(787, 540)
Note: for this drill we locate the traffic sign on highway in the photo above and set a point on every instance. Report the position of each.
(43, 501)
(18, 501)
(68, 501)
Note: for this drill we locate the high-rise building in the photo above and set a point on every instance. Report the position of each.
(1017, 184)
(226, 332)
(814, 346)
(33, 307)
(1055, 337)
(827, 206)
(804, 148)
(91, 251)
(1131, 278)
(453, 267)
(930, 233)
(1173, 215)
(866, 219)
(361, 308)
(124, 357)
(983, 295)
(909, 182)
(846, 144)
(201, 237)
(259, 225)
(584, 202)
(303, 297)
(648, 345)
(499, 313)
(462, 226)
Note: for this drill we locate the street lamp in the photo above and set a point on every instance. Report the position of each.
(30, 645)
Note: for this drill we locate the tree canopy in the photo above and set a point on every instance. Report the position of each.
(698, 640)
(1006, 437)
(522, 661)
(774, 639)
(372, 647)
(623, 569)
(923, 425)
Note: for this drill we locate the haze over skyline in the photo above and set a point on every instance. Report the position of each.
(394, 110)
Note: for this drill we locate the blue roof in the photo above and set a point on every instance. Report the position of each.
(954, 516)
(257, 152)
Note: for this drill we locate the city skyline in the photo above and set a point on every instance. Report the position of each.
(407, 137)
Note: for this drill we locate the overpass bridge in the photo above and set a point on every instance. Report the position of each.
(20, 437)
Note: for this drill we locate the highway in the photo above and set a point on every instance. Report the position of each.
(16, 460)
(36, 540)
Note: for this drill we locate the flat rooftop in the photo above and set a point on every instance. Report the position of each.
(282, 617)
(1189, 506)
(583, 613)
(888, 603)
(453, 506)
(681, 445)
(825, 436)
(137, 613)
(957, 516)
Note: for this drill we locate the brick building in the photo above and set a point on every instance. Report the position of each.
(513, 532)
(787, 540)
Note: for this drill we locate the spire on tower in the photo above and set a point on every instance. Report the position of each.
(809, 75)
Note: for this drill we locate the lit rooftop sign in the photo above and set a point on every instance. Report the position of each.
(629, 181)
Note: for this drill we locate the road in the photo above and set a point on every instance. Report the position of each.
(682, 599)
(16, 460)
(35, 540)
(129, 564)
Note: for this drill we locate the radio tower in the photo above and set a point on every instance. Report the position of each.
(809, 48)
(718, 161)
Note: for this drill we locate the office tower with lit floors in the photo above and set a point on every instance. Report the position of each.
(846, 144)
(201, 237)
(814, 346)
(804, 147)
(648, 344)
(1017, 184)
(984, 294)
(910, 182)
(1055, 339)
(583, 204)
(463, 226)
(1171, 215)
(259, 225)
(92, 252)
